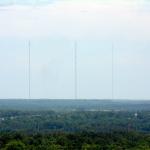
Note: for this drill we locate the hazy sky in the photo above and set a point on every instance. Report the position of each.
(53, 26)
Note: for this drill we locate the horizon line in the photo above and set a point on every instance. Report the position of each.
(88, 99)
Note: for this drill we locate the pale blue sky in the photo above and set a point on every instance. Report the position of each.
(53, 28)
(25, 2)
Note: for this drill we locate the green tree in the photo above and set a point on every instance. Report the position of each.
(15, 145)
(91, 147)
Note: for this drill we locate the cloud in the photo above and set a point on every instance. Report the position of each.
(25, 2)
(73, 21)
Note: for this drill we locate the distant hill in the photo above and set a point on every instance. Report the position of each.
(67, 105)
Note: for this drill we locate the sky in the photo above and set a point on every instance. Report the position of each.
(53, 26)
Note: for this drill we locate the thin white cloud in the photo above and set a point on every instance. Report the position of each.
(68, 20)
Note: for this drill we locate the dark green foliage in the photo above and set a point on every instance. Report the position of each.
(15, 145)
(77, 141)
(74, 130)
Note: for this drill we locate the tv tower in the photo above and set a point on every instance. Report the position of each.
(75, 72)
(29, 69)
(112, 71)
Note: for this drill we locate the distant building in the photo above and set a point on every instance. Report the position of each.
(135, 115)
(2, 119)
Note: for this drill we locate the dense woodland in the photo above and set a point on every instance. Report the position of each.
(73, 128)
(75, 141)
(74, 121)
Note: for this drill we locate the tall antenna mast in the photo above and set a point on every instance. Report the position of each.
(75, 71)
(29, 71)
(112, 71)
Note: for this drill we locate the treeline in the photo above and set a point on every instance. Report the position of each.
(74, 130)
(74, 121)
(75, 141)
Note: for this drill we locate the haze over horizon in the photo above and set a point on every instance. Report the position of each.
(53, 26)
